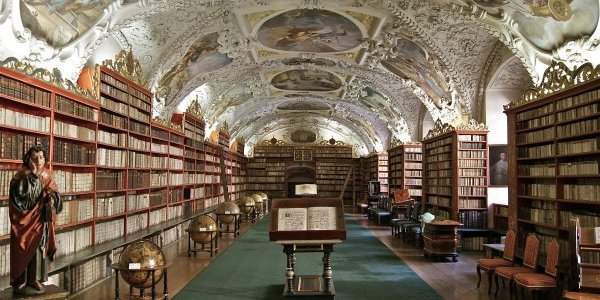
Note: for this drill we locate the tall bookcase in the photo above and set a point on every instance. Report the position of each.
(405, 169)
(455, 174)
(123, 177)
(378, 170)
(554, 152)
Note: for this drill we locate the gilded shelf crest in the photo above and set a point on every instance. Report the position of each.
(195, 109)
(556, 78)
(54, 78)
(125, 64)
(440, 128)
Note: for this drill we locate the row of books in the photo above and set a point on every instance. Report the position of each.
(537, 170)
(114, 92)
(24, 91)
(109, 180)
(472, 137)
(438, 165)
(4, 221)
(175, 163)
(115, 139)
(141, 160)
(413, 181)
(157, 216)
(137, 144)
(24, 120)
(74, 131)
(438, 157)
(136, 222)
(536, 152)
(537, 122)
(475, 163)
(158, 162)
(4, 260)
(176, 179)
(115, 106)
(439, 181)
(578, 128)
(72, 153)
(579, 168)
(413, 173)
(73, 182)
(159, 179)
(14, 145)
(472, 191)
(586, 218)
(536, 136)
(138, 201)
(588, 190)
(440, 201)
(579, 146)
(538, 190)
(110, 205)
(502, 211)
(472, 181)
(139, 115)
(113, 81)
(440, 142)
(444, 190)
(472, 243)
(139, 128)
(138, 179)
(111, 158)
(113, 120)
(109, 230)
(472, 146)
(69, 242)
(472, 154)
(539, 216)
(533, 113)
(5, 178)
(472, 203)
(89, 272)
(473, 219)
(466, 172)
(68, 106)
(439, 150)
(583, 98)
(446, 172)
(578, 112)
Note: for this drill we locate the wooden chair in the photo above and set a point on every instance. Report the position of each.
(530, 257)
(538, 282)
(490, 264)
(396, 222)
(584, 279)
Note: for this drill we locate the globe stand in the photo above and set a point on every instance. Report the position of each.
(259, 210)
(236, 224)
(249, 214)
(214, 243)
(142, 295)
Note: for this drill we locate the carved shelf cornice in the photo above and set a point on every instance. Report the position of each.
(195, 110)
(53, 77)
(127, 65)
(442, 128)
(557, 77)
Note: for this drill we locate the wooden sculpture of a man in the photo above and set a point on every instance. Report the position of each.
(33, 204)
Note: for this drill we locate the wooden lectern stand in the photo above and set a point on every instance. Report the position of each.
(294, 241)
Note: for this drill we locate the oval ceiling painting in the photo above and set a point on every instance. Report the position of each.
(306, 80)
(303, 105)
(309, 30)
(303, 136)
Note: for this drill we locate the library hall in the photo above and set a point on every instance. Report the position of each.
(300, 149)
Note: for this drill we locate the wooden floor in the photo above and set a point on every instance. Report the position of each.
(456, 281)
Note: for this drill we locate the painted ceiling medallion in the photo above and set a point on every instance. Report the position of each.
(303, 136)
(309, 30)
(303, 106)
(306, 80)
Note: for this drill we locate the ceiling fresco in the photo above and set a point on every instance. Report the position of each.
(309, 30)
(363, 67)
(306, 80)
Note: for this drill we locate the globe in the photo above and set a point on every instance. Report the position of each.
(258, 199)
(226, 208)
(247, 204)
(263, 195)
(142, 254)
(201, 227)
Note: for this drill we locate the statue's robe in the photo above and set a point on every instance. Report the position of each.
(32, 219)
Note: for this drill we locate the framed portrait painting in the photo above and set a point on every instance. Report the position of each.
(498, 165)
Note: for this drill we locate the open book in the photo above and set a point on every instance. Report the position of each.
(311, 218)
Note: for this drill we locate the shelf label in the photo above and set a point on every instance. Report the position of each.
(227, 212)
(134, 266)
(202, 229)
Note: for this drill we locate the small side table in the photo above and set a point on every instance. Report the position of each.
(152, 272)
(492, 249)
(214, 243)
(236, 224)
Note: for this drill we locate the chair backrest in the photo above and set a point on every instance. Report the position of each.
(510, 244)
(532, 249)
(401, 195)
(583, 277)
(552, 256)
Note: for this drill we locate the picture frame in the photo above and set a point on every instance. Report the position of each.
(498, 157)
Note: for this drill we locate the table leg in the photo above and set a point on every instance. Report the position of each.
(327, 270)
(117, 285)
(289, 274)
(165, 289)
(153, 286)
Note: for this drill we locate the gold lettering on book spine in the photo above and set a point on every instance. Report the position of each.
(557, 77)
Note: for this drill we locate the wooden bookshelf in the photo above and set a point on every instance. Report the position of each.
(455, 174)
(500, 218)
(405, 169)
(122, 176)
(554, 143)
(378, 170)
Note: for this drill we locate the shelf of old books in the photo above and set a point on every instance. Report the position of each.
(120, 180)
(500, 218)
(455, 174)
(554, 143)
(378, 170)
(405, 169)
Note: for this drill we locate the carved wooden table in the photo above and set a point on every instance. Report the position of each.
(309, 285)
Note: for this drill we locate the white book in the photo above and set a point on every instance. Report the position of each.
(312, 218)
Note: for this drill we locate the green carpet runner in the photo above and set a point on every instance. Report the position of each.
(253, 268)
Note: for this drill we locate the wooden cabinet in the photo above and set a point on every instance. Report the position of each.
(441, 239)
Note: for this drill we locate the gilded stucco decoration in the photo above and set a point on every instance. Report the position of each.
(127, 65)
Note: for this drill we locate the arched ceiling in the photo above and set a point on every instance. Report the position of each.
(357, 69)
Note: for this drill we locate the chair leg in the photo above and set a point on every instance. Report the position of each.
(497, 285)
(489, 276)
(511, 288)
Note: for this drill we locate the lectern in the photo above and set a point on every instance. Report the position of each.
(308, 225)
